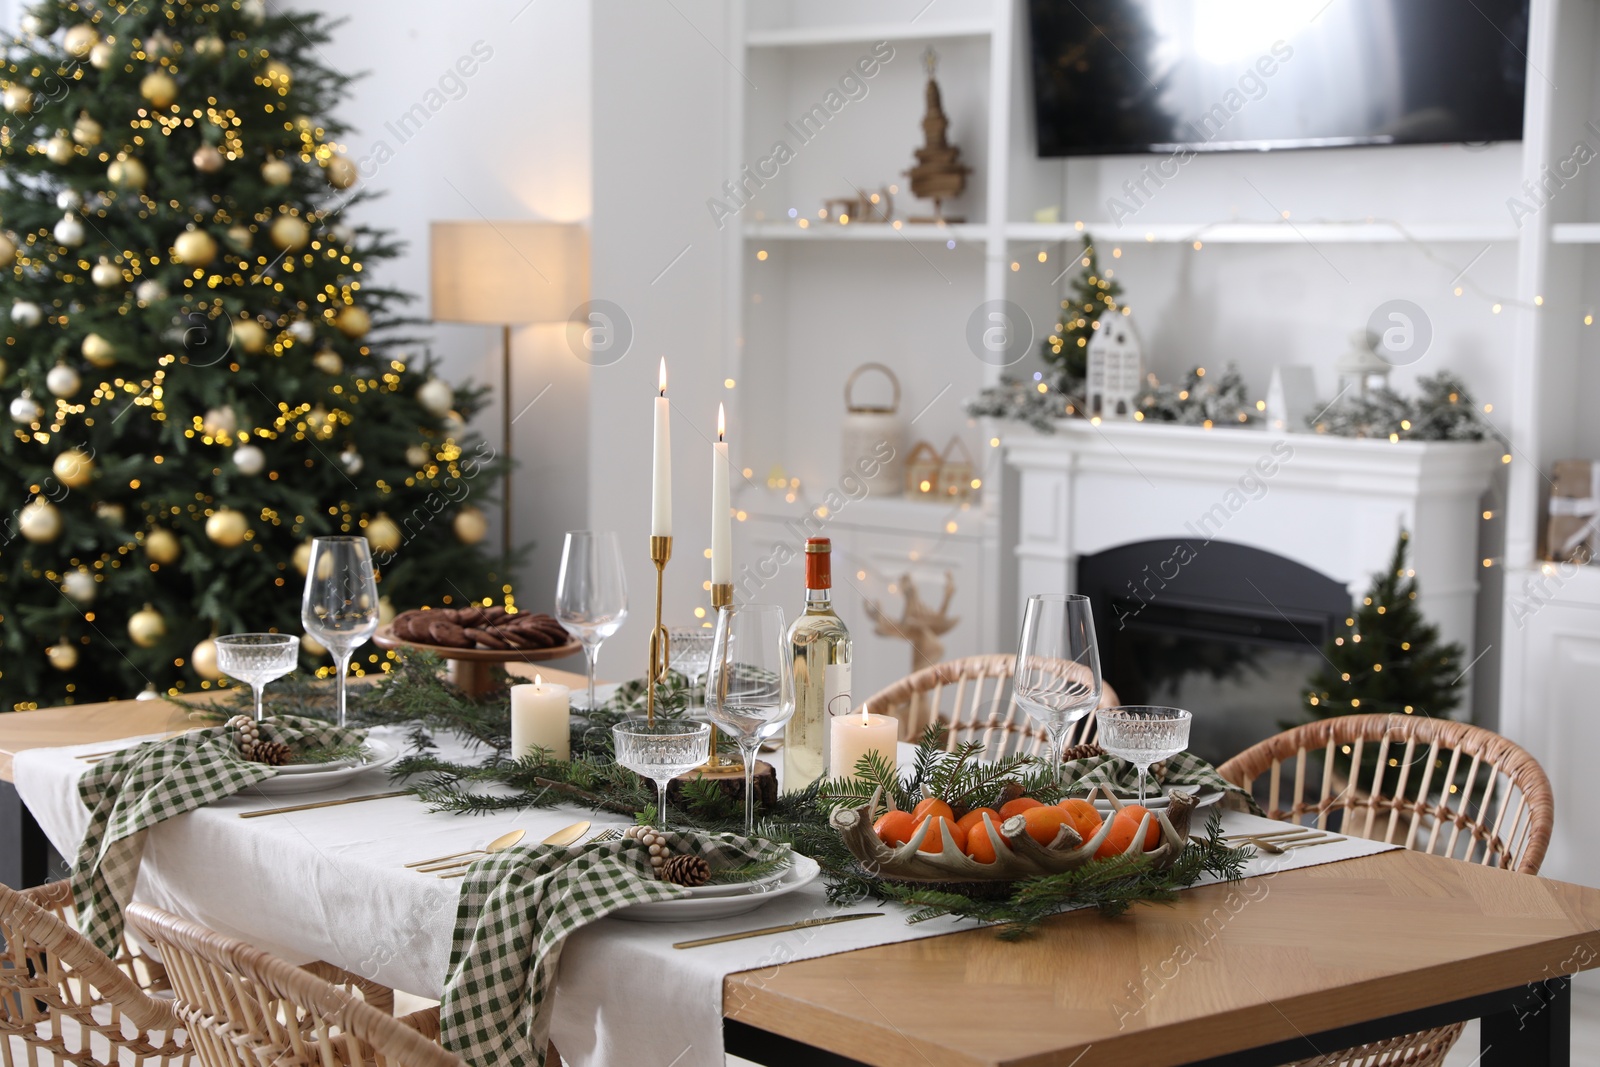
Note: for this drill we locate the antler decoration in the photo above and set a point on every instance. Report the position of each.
(918, 623)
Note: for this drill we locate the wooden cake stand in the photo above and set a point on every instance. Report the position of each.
(469, 667)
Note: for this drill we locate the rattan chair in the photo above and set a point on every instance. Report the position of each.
(244, 1008)
(63, 1001)
(1438, 786)
(972, 696)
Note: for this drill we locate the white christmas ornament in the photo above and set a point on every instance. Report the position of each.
(58, 150)
(63, 381)
(1116, 368)
(150, 291)
(100, 55)
(276, 172)
(40, 521)
(27, 314)
(249, 459)
(351, 461)
(254, 10)
(417, 456)
(69, 231)
(436, 397)
(69, 200)
(32, 25)
(148, 693)
(25, 409)
(79, 40)
(106, 274)
(86, 131)
(62, 656)
(302, 331)
(79, 587)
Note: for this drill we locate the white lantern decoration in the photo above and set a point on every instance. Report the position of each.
(1361, 368)
(1116, 368)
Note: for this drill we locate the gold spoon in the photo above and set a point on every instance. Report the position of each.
(564, 836)
(504, 841)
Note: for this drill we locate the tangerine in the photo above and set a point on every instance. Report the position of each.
(934, 841)
(1084, 817)
(980, 845)
(1152, 836)
(975, 818)
(1124, 825)
(930, 807)
(1018, 806)
(1045, 822)
(895, 827)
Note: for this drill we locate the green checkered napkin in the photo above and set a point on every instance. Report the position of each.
(130, 792)
(1122, 777)
(517, 908)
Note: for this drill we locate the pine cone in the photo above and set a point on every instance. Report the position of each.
(1075, 752)
(272, 753)
(687, 871)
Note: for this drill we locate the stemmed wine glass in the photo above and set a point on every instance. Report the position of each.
(340, 606)
(1057, 675)
(690, 653)
(750, 691)
(591, 592)
(661, 751)
(1144, 736)
(257, 659)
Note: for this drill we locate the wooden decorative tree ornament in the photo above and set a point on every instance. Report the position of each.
(1116, 368)
(939, 174)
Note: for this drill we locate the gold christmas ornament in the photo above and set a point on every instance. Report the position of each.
(353, 322)
(417, 456)
(62, 656)
(328, 362)
(219, 420)
(159, 88)
(8, 249)
(98, 350)
(86, 131)
(58, 149)
(240, 237)
(194, 248)
(73, 468)
(63, 381)
(146, 627)
(312, 645)
(80, 40)
(39, 521)
(106, 274)
(276, 172)
(18, 99)
(209, 46)
(115, 514)
(341, 172)
(382, 534)
(290, 232)
(250, 335)
(227, 527)
(471, 525)
(161, 545)
(278, 75)
(206, 159)
(127, 173)
(79, 586)
(203, 658)
(436, 397)
(302, 557)
(386, 612)
(100, 55)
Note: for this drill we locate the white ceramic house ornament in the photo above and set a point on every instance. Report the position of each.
(1116, 368)
(1361, 368)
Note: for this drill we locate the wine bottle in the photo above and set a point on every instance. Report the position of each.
(819, 647)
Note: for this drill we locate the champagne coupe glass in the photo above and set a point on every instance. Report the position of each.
(661, 751)
(1057, 674)
(1143, 735)
(340, 606)
(749, 692)
(591, 592)
(257, 659)
(690, 653)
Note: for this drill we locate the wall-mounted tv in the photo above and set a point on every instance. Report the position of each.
(1115, 77)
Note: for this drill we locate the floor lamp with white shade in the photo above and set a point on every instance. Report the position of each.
(505, 273)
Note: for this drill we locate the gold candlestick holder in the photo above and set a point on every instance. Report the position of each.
(660, 649)
(721, 597)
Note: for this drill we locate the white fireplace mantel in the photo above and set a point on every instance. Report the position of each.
(1334, 504)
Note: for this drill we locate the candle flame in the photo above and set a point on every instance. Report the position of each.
(663, 385)
(722, 422)
(538, 679)
(864, 716)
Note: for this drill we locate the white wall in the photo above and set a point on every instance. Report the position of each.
(513, 145)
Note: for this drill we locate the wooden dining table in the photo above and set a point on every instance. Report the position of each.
(1271, 969)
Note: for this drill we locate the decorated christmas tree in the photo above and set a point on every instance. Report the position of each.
(192, 362)
(1066, 351)
(1387, 659)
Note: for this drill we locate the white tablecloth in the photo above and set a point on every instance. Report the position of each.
(330, 884)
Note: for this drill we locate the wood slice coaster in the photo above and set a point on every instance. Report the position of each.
(731, 781)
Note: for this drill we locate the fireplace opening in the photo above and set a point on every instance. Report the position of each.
(1229, 632)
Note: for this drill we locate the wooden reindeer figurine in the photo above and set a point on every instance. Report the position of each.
(919, 624)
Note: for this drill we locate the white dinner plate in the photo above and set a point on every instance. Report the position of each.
(734, 889)
(801, 873)
(375, 755)
(318, 768)
(1207, 797)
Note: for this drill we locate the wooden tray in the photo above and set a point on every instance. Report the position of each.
(468, 666)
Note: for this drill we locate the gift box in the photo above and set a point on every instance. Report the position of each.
(1574, 510)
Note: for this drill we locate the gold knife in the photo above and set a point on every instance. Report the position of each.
(720, 938)
(322, 804)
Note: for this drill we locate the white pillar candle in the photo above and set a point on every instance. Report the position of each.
(721, 520)
(540, 713)
(661, 480)
(852, 736)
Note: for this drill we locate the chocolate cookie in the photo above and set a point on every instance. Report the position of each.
(446, 632)
(412, 626)
(485, 638)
